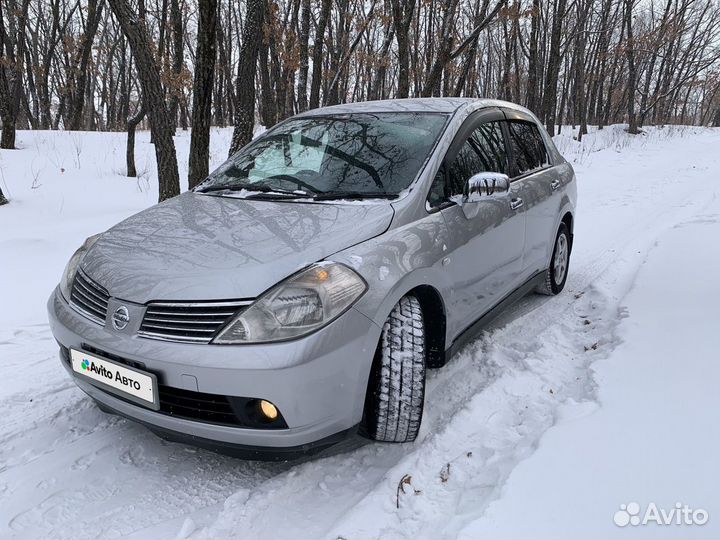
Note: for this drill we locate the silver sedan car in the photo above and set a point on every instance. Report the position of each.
(299, 294)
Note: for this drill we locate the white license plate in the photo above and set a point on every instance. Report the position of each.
(116, 378)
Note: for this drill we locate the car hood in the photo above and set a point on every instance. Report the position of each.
(201, 247)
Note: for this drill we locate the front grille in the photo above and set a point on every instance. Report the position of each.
(195, 322)
(89, 298)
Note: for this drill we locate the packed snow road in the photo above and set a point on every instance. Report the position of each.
(69, 471)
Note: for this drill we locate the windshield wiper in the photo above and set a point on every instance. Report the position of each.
(210, 189)
(262, 191)
(277, 195)
(353, 195)
(261, 188)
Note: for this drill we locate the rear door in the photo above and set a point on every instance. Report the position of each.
(485, 258)
(533, 177)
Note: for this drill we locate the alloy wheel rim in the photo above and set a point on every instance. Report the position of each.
(560, 261)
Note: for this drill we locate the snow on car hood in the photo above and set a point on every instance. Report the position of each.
(200, 247)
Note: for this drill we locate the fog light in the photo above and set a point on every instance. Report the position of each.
(268, 409)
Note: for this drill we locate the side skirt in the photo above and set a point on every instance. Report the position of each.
(475, 328)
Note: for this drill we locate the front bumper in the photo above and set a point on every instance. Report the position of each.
(317, 382)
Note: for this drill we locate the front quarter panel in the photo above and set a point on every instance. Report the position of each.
(398, 261)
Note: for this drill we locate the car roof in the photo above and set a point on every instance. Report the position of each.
(415, 105)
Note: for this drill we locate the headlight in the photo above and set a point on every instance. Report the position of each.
(297, 306)
(72, 266)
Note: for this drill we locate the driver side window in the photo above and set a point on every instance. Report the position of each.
(483, 151)
(467, 163)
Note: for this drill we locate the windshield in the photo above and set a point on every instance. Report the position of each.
(377, 154)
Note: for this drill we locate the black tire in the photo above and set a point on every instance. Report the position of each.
(555, 283)
(396, 389)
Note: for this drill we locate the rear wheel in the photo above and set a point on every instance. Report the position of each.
(396, 390)
(556, 274)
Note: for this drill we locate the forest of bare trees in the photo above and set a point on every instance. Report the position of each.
(114, 65)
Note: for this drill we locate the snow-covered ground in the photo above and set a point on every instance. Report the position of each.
(564, 410)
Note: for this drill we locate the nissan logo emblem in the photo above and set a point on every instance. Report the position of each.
(120, 318)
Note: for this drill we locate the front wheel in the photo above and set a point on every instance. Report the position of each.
(556, 274)
(396, 390)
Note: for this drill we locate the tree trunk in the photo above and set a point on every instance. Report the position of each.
(580, 43)
(177, 64)
(402, 13)
(247, 67)
(75, 114)
(532, 83)
(632, 76)
(198, 165)
(549, 108)
(11, 68)
(318, 54)
(304, 56)
(132, 123)
(375, 91)
(507, 58)
(431, 86)
(268, 105)
(153, 99)
(7, 139)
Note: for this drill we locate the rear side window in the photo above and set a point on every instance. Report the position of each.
(483, 151)
(528, 147)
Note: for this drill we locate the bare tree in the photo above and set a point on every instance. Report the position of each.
(303, 38)
(632, 75)
(131, 126)
(549, 108)
(202, 93)
(402, 13)
(176, 86)
(317, 55)
(153, 99)
(78, 80)
(247, 67)
(12, 52)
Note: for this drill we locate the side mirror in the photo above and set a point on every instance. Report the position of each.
(486, 185)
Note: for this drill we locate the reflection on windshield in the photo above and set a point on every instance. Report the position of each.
(359, 154)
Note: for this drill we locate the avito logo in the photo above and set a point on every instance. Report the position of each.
(111, 374)
(680, 514)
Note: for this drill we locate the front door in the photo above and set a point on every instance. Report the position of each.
(485, 258)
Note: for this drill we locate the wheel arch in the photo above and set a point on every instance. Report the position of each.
(568, 220)
(433, 309)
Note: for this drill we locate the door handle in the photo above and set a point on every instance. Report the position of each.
(516, 203)
(555, 184)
